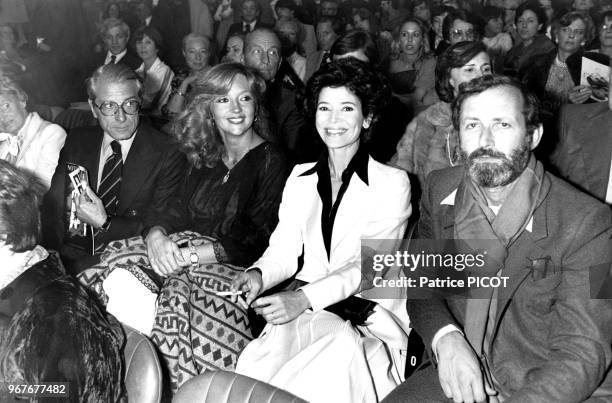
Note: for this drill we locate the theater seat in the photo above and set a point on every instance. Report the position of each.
(228, 387)
(143, 376)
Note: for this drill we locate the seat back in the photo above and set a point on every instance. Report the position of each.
(143, 375)
(228, 387)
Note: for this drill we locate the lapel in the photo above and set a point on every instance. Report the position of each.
(355, 200)
(88, 154)
(597, 149)
(138, 164)
(447, 221)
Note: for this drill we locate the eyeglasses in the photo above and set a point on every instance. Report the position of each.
(110, 108)
(570, 31)
(467, 34)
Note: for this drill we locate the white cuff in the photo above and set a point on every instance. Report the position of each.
(442, 332)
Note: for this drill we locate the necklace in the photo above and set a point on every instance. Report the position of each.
(231, 165)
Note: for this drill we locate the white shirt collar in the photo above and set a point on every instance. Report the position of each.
(118, 56)
(450, 201)
(106, 151)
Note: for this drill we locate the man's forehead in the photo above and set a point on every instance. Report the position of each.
(263, 39)
(494, 103)
(115, 31)
(116, 91)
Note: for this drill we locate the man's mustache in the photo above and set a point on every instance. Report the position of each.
(487, 152)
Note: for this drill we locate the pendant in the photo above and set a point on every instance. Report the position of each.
(226, 177)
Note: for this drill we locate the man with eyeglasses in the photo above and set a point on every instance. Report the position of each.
(459, 26)
(133, 171)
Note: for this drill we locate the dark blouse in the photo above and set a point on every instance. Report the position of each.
(237, 207)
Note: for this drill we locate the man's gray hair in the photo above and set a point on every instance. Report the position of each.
(111, 73)
(109, 23)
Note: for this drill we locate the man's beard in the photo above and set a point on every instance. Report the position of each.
(495, 174)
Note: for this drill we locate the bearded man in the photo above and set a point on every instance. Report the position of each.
(546, 335)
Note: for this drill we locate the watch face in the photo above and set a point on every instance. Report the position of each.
(193, 258)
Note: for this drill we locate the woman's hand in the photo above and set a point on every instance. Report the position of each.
(164, 255)
(251, 283)
(580, 93)
(282, 307)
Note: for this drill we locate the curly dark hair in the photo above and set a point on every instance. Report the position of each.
(367, 84)
(456, 55)
(531, 105)
(194, 129)
(20, 196)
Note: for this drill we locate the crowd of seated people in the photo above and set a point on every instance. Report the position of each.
(231, 156)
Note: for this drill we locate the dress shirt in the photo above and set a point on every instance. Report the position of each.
(118, 56)
(248, 27)
(106, 151)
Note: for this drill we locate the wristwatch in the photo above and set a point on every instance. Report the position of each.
(106, 224)
(194, 258)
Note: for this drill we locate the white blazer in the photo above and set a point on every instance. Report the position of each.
(378, 210)
(41, 144)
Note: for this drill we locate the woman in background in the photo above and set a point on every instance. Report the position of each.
(429, 142)
(412, 72)
(197, 51)
(234, 49)
(531, 25)
(157, 76)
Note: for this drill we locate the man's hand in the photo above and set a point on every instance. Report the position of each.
(164, 255)
(90, 209)
(282, 307)
(459, 370)
(579, 94)
(251, 283)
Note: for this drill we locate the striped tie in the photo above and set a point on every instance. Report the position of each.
(108, 191)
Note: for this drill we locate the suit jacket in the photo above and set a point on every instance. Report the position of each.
(551, 342)
(152, 173)
(236, 28)
(584, 150)
(130, 59)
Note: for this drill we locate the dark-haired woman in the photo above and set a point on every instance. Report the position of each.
(429, 143)
(157, 76)
(328, 208)
(530, 20)
(230, 199)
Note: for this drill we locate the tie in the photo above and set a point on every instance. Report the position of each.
(113, 58)
(108, 191)
(246, 28)
(9, 147)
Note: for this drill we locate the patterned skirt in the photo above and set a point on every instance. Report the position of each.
(194, 328)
